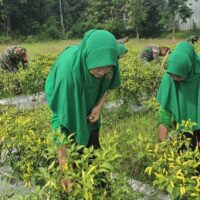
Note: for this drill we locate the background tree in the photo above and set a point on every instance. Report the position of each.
(106, 14)
(99, 14)
(151, 27)
(31, 17)
(172, 12)
(7, 9)
(73, 11)
(56, 19)
(61, 16)
(137, 14)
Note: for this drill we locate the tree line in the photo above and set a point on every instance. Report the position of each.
(57, 18)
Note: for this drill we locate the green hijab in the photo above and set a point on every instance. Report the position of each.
(121, 50)
(72, 92)
(182, 98)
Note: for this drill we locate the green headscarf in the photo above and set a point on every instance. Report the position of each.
(121, 50)
(72, 91)
(182, 98)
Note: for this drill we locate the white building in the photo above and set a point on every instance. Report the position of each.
(194, 20)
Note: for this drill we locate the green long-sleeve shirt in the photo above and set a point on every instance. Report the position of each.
(165, 117)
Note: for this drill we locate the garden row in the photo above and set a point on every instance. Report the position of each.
(129, 149)
(129, 146)
(28, 81)
(137, 80)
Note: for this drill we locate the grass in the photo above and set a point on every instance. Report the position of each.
(120, 120)
(57, 46)
(124, 120)
(119, 123)
(124, 126)
(42, 47)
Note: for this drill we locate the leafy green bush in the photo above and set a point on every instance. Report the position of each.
(129, 149)
(165, 166)
(180, 34)
(5, 39)
(51, 30)
(28, 138)
(114, 26)
(31, 39)
(175, 171)
(28, 81)
(138, 81)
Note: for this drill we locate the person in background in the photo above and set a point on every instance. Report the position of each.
(123, 40)
(192, 39)
(179, 93)
(77, 87)
(12, 56)
(152, 52)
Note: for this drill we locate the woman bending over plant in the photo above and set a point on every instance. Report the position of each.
(179, 93)
(77, 86)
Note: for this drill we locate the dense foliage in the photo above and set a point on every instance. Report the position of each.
(27, 81)
(138, 81)
(28, 146)
(50, 19)
(128, 139)
(129, 149)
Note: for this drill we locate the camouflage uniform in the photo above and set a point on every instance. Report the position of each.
(192, 39)
(11, 57)
(150, 53)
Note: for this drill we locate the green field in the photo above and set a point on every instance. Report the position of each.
(128, 138)
(43, 47)
(58, 46)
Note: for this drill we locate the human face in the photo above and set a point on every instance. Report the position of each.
(100, 71)
(163, 51)
(177, 78)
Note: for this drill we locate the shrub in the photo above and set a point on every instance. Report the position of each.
(28, 81)
(5, 39)
(28, 138)
(138, 81)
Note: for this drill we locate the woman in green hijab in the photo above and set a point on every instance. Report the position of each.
(179, 92)
(77, 86)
